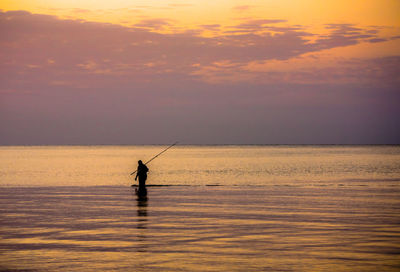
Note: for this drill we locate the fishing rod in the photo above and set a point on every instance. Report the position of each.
(156, 156)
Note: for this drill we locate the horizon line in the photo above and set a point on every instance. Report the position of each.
(229, 144)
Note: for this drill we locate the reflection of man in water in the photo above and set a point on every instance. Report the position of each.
(142, 174)
(142, 224)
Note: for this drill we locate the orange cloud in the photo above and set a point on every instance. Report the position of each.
(29, 41)
(242, 8)
(154, 24)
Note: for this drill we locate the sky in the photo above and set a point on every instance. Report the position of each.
(199, 72)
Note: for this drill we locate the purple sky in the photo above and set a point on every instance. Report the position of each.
(76, 82)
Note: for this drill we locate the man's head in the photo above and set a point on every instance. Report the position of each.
(140, 162)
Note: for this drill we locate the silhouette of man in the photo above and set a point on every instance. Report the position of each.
(142, 174)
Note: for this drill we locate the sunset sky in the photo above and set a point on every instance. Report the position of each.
(202, 72)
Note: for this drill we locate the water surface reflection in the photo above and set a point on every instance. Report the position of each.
(225, 228)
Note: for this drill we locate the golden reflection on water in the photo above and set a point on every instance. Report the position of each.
(199, 228)
(200, 165)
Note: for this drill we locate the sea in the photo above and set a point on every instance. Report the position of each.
(207, 208)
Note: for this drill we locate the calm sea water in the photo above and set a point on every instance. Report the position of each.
(195, 165)
(276, 208)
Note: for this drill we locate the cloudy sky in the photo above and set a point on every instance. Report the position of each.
(202, 72)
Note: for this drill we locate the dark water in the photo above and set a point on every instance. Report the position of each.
(200, 228)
